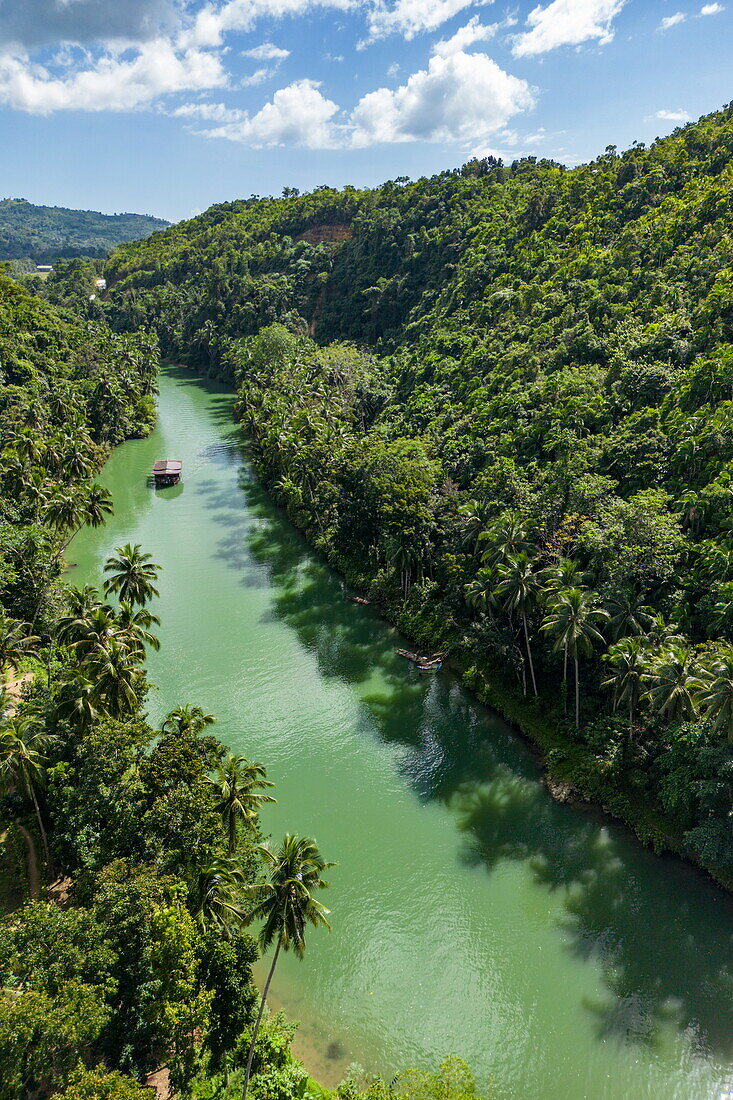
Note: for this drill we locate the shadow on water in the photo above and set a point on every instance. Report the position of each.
(661, 932)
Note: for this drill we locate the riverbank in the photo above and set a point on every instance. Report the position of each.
(556, 944)
(570, 765)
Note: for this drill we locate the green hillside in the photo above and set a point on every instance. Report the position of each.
(526, 454)
(46, 233)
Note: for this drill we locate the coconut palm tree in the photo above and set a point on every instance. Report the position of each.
(187, 719)
(628, 616)
(132, 575)
(67, 512)
(286, 903)
(242, 786)
(216, 893)
(24, 746)
(78, 699)
(117, 675)
(628, 661)
(713, 690)
(518, 588)
(506, 537)
(572, 622)
(671, 681)
(15, 641)
(135, 628)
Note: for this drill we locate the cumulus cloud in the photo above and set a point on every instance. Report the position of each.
(214, 21)
(267, 52)
(567, 23)
(27, 24)
(673, 116)
(711, 9)
(412, 17)
(297, 115)
(462, 97)
(672, 20)
(112, 83)
(465, 37)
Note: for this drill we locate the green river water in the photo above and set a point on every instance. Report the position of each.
(471, 913)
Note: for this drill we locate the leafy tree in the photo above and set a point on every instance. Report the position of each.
(242, 787)
(132, 575)
(572, 621)
(286, 904)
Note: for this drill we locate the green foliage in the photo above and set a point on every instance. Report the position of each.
(45, 233)
(507, 368)
(98, 1084)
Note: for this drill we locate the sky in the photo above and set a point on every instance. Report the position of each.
(167, 106)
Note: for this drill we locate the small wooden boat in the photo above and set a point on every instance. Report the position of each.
(359, 600)
(167, 471)
(425, 664)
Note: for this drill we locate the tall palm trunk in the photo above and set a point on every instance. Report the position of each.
(44, 838)
(529, 652)
(47, 583)
(577, 694)
(565, 677)
(255, 1033)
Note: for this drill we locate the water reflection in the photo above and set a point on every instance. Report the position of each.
(646, 920)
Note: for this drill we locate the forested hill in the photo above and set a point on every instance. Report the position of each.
(527, 456)
(46, 233)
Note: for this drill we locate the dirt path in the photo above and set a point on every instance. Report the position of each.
(31, 862)
(14, 688)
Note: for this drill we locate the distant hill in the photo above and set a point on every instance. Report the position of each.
(48, 233)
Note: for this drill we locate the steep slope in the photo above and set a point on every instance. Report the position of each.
(531, 458)
(46, 233)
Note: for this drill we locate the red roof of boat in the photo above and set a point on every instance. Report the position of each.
(167, 466)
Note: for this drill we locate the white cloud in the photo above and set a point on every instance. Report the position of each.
(673, 116)
(711, 9)
(267, 52)
(112, 83)
(259, 76)
(213, 21)
(462, 97)
(466, 37)
(411, 17)
(567, 23)
(212, 112)
(297, 115)
(672, 20)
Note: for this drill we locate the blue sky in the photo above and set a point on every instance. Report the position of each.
(167, 106)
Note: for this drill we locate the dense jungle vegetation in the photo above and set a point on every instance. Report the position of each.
(132, 862)
(43, 234)
(500, 400)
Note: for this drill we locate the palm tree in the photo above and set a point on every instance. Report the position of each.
(628, 616)
(132, 575)
(187, 719)
(480, 592)
(215, 896)
(571, 621)
(713, 690)
(15, 641)
(117, 675)
(24, 746)
(241, 785)
(89, 632)
(506, 536)
(628, 660)
(67, 513)
(519, 586)
(671, 681)
(78, 699)
(287, 904)
(135, 628)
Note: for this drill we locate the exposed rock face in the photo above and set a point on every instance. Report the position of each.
(330, 234)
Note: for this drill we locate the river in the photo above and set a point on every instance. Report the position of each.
(471, 913)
